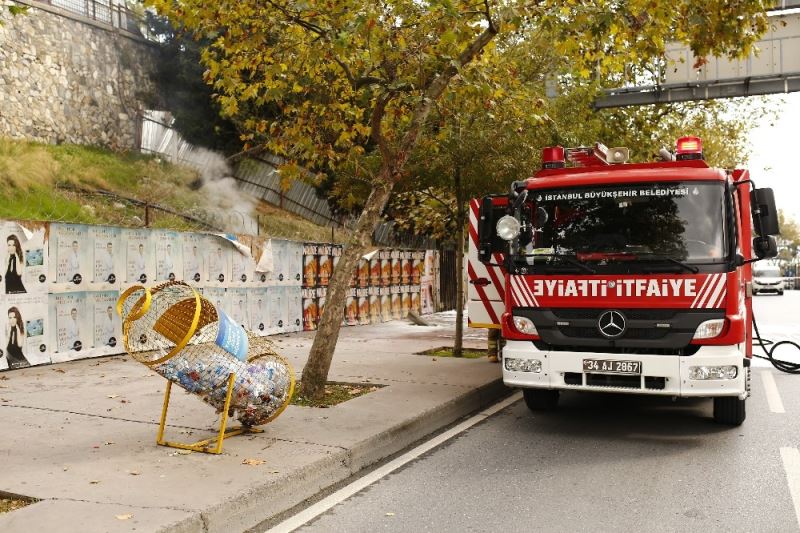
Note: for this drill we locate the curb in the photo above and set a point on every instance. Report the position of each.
(262, 502)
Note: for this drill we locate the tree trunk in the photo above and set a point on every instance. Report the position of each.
(458, 343)
(315, 373)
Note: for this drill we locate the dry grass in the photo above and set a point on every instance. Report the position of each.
(35, 180)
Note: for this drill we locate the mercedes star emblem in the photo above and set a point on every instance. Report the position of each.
(611, 324)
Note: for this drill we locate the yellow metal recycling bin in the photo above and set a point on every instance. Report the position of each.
(190, 342)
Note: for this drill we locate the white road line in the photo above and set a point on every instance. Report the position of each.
(771, 389)
(342, 494)
(791, 465)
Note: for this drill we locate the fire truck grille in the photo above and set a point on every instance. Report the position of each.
(631, 333)
(631, 314)
(617, 381)
(688, 350)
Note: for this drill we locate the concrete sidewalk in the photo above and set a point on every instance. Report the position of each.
(81, 436)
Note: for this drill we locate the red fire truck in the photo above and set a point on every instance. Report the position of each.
(608, 276)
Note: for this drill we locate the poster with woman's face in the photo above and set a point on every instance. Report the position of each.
(386, 270)
(363, 273)
(107, 324)
(363, 309)
(351, 309)
(107, 259)
(374, 307)
(397, 308)
(193, 261)
(375, 271)
(25, 331)
(405, 304)
(74, 254)
(73, 325)
(325, 265)
(169, 255)
(25, 259)
(386, 304)
(258, 305)
(140, 264)
(406, 268)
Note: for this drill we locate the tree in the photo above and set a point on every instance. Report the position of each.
(355, 78)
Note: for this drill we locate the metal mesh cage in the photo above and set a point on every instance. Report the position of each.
(187, 340)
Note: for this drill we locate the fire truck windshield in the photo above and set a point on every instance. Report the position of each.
(606, 227)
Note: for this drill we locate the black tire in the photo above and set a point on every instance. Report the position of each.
(540, 399)
(780, 293)
(729, 410)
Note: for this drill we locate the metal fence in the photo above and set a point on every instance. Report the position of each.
(110, 12)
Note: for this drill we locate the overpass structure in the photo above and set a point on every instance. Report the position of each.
(773, 67)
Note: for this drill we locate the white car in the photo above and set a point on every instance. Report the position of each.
(767, 279)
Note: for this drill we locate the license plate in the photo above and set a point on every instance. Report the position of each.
(605, 366)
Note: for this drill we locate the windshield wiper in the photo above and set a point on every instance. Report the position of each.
(566, 259)
(691, 268)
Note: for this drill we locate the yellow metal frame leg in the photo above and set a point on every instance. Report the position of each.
(204, 445)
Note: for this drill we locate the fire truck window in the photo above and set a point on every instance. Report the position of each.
(684, 221)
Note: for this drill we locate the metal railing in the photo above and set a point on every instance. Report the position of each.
(108, 12)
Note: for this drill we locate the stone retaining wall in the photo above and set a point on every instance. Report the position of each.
(67, 80)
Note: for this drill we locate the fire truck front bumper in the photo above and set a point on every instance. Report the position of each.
(712, 371)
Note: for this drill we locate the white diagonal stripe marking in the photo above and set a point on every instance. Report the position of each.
(700, 292)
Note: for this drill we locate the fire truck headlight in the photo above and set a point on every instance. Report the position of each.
(713, 372)
(514, 364)
(508, 228)
(709, 329)
(525, 325)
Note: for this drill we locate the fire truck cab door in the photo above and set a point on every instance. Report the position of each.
(486, 287)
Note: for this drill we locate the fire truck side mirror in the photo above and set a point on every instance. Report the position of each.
(765, 247)
(486, 230)
(765, 214)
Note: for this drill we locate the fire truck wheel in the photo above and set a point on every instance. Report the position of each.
(540, 399)
(729, 410)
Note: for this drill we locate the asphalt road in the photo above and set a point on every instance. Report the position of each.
(606, 463)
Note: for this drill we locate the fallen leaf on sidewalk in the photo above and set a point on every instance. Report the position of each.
(112, 396)
(124, 516)
(389, 514)
(253, 462)
(109, 443)
(94, 482)
(134, 472)
(59, 370)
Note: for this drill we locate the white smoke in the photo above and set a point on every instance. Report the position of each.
(226, 206)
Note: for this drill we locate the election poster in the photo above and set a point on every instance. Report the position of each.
(25, 331)
(243, 268)
(107, 258)
(193, 261)
(107, 324)
(236, 306)
(280, 264)
(73, 254)
(294, 263)
(216, 295)
(258, 309)
(26, 257)
(278, 309)
(73, 325)
(217, 254)
(139, 257)
(169, 252)
(294, 308)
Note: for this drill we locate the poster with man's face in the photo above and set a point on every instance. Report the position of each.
(169, 255)
(108, 256)
(139, 257)
(107, 324)
(294, 263)
(294, 311)
(236, 306)
(242, 268)
(73, 253)
(278, 309)
(258, 304)
(218, 255)
(216, 295)
(73, 323)
(25, 331)
(25, 262)
(193, 260)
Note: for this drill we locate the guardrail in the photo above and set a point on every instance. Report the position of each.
(106, 12)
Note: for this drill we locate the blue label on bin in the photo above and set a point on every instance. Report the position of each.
(231, 336)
